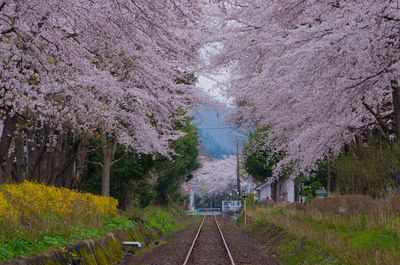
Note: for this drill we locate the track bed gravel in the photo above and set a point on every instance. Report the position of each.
(209, 249)
(244, 247)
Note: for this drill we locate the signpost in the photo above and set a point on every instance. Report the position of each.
(244, 196)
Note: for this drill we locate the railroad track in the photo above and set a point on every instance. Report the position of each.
(208, 247)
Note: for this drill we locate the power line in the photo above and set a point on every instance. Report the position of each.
(217, 128)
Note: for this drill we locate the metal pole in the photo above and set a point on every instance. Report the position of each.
(248, 184)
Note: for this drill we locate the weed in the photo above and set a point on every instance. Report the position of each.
(368, 233)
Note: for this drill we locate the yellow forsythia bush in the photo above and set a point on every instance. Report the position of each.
(5, 209)
(30, 199)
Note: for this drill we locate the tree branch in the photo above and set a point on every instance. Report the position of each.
(119, 159)
(2, 5)
(381, 123)
(365, 80)
(7, 31)
(391, 18)
(95, 163)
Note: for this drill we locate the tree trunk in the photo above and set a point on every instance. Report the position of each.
(126, 197)
(68, 155)
(56, 163)
(328, 180)
(9, 126)
(396, 112)
(335, 181)
(76, 181)
(108, 154)
(21, 164)
(396, 106)
(36, 157)
(9, 167)
(275, 190)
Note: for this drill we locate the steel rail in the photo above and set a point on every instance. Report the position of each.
(197, 235)
(194, 242)
(223, 239)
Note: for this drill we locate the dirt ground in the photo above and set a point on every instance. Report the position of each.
(209, 249)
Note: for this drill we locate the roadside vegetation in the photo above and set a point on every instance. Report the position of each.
(35, 218)
(355, 229)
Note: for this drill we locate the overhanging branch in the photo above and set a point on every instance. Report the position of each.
(381, 123)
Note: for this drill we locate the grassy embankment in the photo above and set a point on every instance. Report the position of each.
(36, 218)
(367, 233)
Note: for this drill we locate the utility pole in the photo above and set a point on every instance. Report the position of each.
(237, 167)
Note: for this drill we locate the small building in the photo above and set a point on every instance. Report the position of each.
(264, 191)
(286, 192)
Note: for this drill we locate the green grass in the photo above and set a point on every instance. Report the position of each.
(158, 221)
(161, 220)
(368, 238)
(361, 240)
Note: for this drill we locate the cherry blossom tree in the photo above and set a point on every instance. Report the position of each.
(316, 72)
(111, 68)
(216, 176)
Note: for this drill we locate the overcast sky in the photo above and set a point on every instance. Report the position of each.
(210, 87)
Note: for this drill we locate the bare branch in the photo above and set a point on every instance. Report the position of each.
(381, 123)
(119, 159)
(7, 31)
(366, 79)
(2, 5)
(391, 18)
(95, 163)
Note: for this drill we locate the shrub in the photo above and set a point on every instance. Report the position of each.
(161, 220)
(35, 218)
(6, 212)
(395, 204)
(296, 206)
(367, 168)
(357, 204)
(28, 200)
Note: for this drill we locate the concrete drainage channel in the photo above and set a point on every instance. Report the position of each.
(111, 249)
